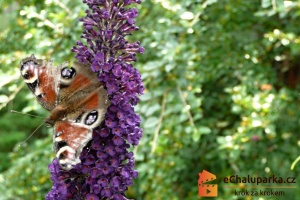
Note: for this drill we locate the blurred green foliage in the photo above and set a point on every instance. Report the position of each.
(222, 92)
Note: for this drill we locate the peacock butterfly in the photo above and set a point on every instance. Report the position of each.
(76, 100)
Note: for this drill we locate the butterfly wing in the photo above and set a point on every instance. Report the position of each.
(76, 99)
(54, 86)
(86, 102)
(69, 140)
(76, 83)
(41, 78)
(75, 131)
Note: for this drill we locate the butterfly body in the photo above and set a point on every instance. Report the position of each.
(76, 100)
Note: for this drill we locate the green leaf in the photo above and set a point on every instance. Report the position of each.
(204, 130)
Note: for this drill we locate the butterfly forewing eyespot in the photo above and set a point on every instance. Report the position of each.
(39, 77)
(68, 73)
(29, 71)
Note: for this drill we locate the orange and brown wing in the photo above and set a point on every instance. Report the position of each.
(81, 93)
(86, 102)
(69, 139)
(76, 83)
(41, 78)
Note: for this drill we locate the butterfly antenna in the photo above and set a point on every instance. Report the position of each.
(31, 134)
(13, 111)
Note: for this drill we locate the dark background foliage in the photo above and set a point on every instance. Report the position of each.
(222, 85)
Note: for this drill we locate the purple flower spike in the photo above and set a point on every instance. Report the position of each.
(107, 166)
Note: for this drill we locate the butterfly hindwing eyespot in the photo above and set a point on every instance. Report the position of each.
(91, 118)
(58, 145)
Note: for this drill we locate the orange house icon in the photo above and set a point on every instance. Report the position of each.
(207, 190)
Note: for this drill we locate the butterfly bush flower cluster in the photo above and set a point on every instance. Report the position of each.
(107, 166)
